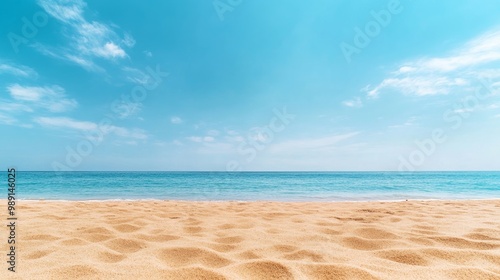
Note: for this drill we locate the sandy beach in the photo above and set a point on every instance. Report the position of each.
(256, 240)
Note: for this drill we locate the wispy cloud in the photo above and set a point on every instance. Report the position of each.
(419, 85)
(52, 98)
(442, 75)
(410, 122)
(201, 139)
(10, 120)
(129, 133)
(125, 110)
(137, 76)
(88, 39)
(481, 50)
(8, 106)
(63, 122)
(86, 126)
(110, 50)
(128, 40)
(27, 100)
(83, 62)
(17, 70)
(6, 119)
(64, 11)
(354, 103)
(176, 120)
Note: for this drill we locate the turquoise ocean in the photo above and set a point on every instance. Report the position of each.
(252, 186)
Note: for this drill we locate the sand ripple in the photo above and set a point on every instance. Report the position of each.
(259, 240)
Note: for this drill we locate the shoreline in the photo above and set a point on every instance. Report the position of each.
(252, 201)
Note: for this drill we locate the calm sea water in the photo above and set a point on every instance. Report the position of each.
(248, 186)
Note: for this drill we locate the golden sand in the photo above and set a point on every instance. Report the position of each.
(256, 240)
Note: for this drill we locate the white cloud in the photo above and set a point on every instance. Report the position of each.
(77, 58)
(148, 53)
(85, 63)
(14, 107)
(86, 126)
(96, 39)
(5, 119)
(63, 122)
(176, 120)
(88, 39)
(419, 85)
(17, 70)
(64, 11)
(110, 50)
(25, 99)
(476, 59)
(51, 98)
(25, 93)
(9, 120)
(481, 50)
(406, 69)
(355, 103)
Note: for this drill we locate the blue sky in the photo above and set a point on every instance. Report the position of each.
(250, 85)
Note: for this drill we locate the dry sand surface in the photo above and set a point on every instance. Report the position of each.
(256, 240)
